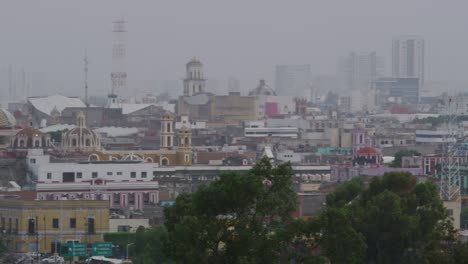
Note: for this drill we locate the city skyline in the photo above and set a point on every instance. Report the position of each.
(158, 45)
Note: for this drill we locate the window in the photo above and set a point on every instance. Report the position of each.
(3, 223)
(146, 198)
(116, 198)
(55, 223)
(109, 173)
(143, 174)
(74, 142)
(123, 228)
(79, 175)
(31, 226)
(49, 175)
(119, 173)
(450, 212)
(88, 143)
(72, 222)
(187, 158)
(132, 174)
(91, 228)
(32, 161)
(94, 174)
(68, 177)
(36, 143)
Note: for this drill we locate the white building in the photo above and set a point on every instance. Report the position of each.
(433, 136)
(258, 129)
(293, 80)
(194, 82)
(125, 184)
(408, 57)
(185, 122)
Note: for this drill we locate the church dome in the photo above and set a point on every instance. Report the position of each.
(262, 89)
(7, 120)
(194, 61)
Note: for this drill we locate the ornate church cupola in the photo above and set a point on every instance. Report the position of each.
(80, 138)
(194, 82)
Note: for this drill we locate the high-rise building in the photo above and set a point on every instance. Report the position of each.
(397, 89)
(293, 80)
(408, 57)
(358, 70)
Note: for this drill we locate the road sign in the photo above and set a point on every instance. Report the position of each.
(102, 249)
(73, 250)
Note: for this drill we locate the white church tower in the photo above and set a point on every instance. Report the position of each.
(194, 82)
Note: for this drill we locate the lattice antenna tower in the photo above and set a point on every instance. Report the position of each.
(86, 62)
(450, 167)
(119, 74)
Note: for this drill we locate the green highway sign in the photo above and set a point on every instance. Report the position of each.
(74, 250)
(102, 249)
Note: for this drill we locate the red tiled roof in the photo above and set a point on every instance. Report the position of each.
(368, 150)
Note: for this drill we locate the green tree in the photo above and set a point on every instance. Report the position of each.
(403, 153)
(148, 247)
(240, 218)
(397, 219)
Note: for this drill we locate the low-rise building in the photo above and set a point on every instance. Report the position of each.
(42, 226)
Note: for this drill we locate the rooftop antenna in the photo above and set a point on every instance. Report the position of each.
(86, 62)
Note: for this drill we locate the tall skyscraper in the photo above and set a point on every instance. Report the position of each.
(408, 57)
(293, 80)
(358, 70)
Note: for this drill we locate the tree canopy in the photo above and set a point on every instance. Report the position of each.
(393, 220)
(239, 218)
(247, 218)
(403, 153)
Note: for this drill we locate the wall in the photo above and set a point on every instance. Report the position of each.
(132, 223)
(44, 212)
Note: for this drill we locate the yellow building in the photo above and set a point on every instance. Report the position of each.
(175, 150)
(38, 225)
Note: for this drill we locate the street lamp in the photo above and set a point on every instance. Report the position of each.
(128, 245)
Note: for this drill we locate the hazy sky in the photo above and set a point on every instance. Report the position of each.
(242, 38)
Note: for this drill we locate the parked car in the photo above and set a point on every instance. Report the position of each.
(53, 260)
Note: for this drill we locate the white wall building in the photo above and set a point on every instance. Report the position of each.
(185, 122)
(258, 129)
(126, 184)
(433, 136)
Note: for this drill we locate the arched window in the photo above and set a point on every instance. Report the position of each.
(21, 143)
(164, 162)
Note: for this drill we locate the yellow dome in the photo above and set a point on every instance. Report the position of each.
(7, 120)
